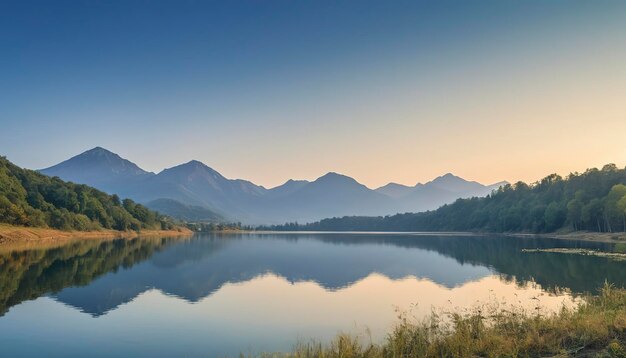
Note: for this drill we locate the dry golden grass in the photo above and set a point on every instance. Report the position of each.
(595, 329)
(18, 236)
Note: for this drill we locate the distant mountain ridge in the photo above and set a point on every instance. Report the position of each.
(186, 188)
(100, 168)
(442, 190)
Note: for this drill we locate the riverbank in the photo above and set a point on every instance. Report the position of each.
(10, 234)
(596, 328)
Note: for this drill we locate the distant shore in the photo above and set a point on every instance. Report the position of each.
(10, 234)
(607, 237)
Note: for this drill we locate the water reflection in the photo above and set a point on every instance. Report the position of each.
(28, 274)
(264, 291)
(194, 269)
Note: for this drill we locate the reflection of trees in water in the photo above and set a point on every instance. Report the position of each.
(29, 274)
(190, 271)
(504, 255)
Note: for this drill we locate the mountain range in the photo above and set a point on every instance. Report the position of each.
(193, 191)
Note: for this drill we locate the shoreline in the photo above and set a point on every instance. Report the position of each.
(10, 234)
(594, 328)
(605, 237)
(19, 235)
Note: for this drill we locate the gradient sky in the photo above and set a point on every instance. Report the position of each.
(382, 91)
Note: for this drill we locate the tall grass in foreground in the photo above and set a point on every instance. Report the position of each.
(596, 329)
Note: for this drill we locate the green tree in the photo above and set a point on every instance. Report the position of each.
(554, 216)
(574, 213)
(32, 199)
(613, 214)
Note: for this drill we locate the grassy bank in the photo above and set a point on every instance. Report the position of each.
(596, 329)
(10, 234)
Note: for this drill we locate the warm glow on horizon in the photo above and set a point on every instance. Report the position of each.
(487, 92)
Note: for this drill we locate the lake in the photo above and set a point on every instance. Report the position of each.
(219, 295)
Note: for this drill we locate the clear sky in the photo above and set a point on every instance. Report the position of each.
(382, 91)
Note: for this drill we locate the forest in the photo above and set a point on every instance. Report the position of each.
(591, 201)
(28, 198)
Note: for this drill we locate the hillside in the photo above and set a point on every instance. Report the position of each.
(194, 183)
(189, 213)
(28, 198)
(594, 201)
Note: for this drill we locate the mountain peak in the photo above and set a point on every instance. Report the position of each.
(338, 182)
(98, 167)
(190, 165)
(96, 151)
(335, 178)
(99, 149)
(448, 176)
(195, 163)
(288, 187)
(97, 157)
(394, 190)
(334, 175)
(392, 185)
(456, 184)
(193, 168)
(295, 182)
(498, 184)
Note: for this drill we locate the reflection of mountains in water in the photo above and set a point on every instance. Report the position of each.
(196, 268)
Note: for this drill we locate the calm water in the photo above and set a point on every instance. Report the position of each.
(214, 295)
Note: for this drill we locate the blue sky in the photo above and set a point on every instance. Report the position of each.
(269, 90)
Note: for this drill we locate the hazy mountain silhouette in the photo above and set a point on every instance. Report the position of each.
(191, 186)
(194, 183)
(394, 190)
(102, 169)
(330, 195)
(497, 185)
(433, 194)
(454, 183)
(288, 188)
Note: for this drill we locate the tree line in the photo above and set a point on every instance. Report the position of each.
(28, 198)
(592, 201)
(217, 226)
